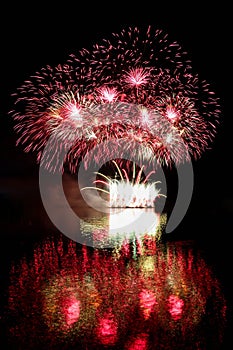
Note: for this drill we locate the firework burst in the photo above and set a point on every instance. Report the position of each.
(137, 86)
(126, 193)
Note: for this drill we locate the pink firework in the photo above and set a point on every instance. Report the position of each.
(136, 86)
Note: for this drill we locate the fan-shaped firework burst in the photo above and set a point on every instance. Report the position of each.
(137, 86)
(124, 193)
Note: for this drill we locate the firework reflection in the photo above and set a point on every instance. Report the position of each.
(69, 295)
(122, 226)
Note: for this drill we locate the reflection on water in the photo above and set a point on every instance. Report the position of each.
(124, 225)
(141, 295)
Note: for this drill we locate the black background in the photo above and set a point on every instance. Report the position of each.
(35, 35)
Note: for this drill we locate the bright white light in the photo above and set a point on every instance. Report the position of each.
(124, 225)
(125, 194)
(171, 113)
(134, 221)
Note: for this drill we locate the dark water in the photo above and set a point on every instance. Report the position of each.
(139, 294)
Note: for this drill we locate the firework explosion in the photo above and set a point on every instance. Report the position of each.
(137, 87)
(123, 193)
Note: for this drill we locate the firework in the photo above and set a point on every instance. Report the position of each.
(126, 193)
(137, 86)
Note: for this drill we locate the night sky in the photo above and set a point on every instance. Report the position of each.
(34, 36)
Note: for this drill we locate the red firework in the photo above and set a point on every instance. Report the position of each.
(149, 97)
